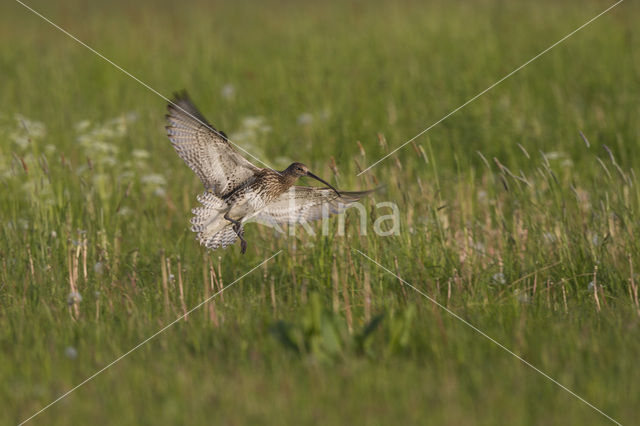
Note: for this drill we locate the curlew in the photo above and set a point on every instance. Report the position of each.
(237, 191)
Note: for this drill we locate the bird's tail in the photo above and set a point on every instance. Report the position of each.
(208, 221)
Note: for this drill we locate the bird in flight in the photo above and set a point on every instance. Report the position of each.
(236, 191)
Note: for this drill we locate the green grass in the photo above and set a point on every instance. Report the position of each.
(507, 215)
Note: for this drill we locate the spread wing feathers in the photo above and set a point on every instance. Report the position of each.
(213, 230)
(205, 150)
(302, 203)
(223, 238)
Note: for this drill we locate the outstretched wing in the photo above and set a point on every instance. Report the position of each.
(303, 203)
(205, 150)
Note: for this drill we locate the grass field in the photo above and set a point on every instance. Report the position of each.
(508, 216)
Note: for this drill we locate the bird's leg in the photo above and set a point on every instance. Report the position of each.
(243, 242)
(236, 223)
(237, 227)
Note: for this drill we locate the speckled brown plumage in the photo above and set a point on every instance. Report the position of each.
(237, 191)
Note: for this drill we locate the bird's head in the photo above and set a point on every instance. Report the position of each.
(298, 170)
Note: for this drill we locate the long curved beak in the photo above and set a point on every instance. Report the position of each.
(323, 181)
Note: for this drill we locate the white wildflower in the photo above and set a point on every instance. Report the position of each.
(522, 296)
(27, 130)
(98, 268)
(554, 155)
(305, 119)
(252, 122)
(73, 298)
(127, 175)
(81, 126)
(125, 211)
(71, 352)
(20, 139)
(499, 278)
(478, 246)
(140, 154)
(153, 179)
(105, 148)
(131, 116)
(101, 180)
(228, 91)
(109, 161)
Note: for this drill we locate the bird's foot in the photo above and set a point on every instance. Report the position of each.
(237, 227)
(243, 242)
